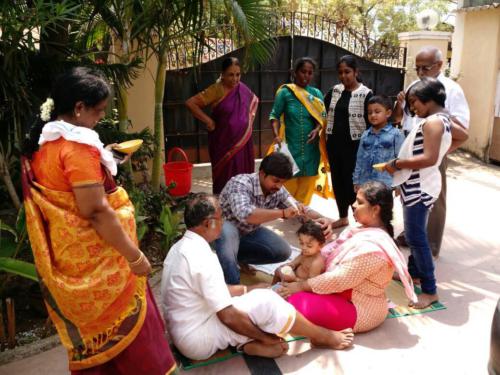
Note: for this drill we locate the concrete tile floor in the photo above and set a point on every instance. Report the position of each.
(452, 341)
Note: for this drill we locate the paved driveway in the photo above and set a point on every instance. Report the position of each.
(452, 341)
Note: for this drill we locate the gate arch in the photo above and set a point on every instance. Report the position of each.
(183, 130)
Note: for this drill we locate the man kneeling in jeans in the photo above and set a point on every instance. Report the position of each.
(249, 200)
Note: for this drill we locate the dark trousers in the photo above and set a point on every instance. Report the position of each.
(342, 159)
(262, 246)
(437, 216)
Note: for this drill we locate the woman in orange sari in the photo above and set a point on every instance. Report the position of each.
(230, 125)
(83, 235)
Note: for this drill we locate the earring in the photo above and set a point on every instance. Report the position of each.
(78, 115)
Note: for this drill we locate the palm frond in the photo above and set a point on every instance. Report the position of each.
(119, 73)
(252, 19)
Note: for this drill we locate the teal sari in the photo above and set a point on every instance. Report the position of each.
(299, 123)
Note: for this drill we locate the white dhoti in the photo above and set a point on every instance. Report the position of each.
(266, 309)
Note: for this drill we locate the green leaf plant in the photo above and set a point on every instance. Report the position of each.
(171, 226)
(12, 241)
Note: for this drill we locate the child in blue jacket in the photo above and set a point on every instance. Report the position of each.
(380, 143)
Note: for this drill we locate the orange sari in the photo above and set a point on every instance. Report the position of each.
(96, 303)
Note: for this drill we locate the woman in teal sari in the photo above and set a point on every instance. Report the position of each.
(299, 115)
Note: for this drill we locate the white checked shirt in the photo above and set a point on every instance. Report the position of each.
(242, 195)
(455, 103)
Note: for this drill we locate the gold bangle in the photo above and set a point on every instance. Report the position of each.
(245, 289)
(137, 261)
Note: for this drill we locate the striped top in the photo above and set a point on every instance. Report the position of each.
(411, 189)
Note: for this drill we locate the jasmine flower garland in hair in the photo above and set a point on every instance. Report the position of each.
(46, 109)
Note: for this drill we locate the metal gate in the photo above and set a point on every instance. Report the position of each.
(183, 130)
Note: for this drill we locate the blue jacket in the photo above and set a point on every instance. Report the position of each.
(376, 148)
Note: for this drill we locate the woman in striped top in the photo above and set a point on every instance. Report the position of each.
(416, 172)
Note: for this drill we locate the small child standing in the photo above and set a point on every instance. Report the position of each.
(379, 144)
(310, 263)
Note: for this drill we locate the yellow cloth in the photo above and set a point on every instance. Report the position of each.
(304, 187)
(213, 94)
(95, 301)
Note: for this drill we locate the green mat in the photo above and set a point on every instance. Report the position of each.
(222, 355)
(395, 293)
(397, 296)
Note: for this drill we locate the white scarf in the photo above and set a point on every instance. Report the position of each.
(56, 129)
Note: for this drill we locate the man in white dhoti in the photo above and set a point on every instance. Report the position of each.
(204, 314)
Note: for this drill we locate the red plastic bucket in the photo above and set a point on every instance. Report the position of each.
(179, 172)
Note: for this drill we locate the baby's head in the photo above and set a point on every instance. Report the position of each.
(311, 238)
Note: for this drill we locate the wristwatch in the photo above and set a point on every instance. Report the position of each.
(393, 164)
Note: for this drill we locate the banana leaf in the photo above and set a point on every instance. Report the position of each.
(8, 247)
(7, 228)
(8, 244)
(18, 267)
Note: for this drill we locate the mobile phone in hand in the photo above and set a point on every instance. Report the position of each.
(118, 156)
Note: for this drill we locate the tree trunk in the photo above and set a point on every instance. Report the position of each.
(122, 98)
(4, 171)
(159, 142)
(122, 104)
(122, 107)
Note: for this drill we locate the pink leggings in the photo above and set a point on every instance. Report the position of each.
(332, 311)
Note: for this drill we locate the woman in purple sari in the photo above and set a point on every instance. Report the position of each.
(230, 127)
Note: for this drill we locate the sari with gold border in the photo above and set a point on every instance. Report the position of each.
(230, 144)
(95, 301)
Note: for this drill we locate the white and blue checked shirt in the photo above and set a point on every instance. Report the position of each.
(242, 195)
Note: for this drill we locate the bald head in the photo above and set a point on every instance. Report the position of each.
(428, 62)
(431, 53)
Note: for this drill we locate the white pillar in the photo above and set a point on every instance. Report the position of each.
(457, 43)
(416, 40)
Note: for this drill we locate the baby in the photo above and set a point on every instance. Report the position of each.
(310, 263)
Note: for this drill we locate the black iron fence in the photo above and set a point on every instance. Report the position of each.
(381, 66)
(223, 39)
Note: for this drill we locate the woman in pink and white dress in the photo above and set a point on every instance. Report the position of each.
(359, 266)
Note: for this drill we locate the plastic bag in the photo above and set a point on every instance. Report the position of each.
(284, 150)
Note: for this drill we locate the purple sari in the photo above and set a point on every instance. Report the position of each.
(230, 145)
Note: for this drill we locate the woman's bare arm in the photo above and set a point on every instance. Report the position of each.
(195, 105)
(433, 132)
(93, 206)
(275, 127)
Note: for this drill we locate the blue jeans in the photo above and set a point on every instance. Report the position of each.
(420, 264)
(261, 246)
